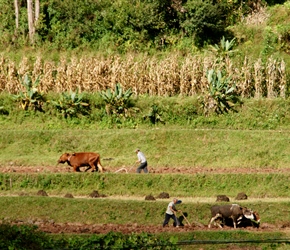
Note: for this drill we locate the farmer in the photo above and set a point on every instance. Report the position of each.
(142, 160)
(171, 213)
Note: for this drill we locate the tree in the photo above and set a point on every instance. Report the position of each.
(37, 11)
(30, 21)
(16, 15)
(32, 18)
(206, 21)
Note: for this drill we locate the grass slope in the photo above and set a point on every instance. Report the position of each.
(174, 147)
(256, 186)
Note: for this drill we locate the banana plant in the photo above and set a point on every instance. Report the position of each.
(70, 104)
(221, 97)
(117, 101)
(225, 48)
(31, 98)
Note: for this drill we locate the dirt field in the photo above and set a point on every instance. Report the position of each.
(51, 227)
(160, 170)
(78, 228)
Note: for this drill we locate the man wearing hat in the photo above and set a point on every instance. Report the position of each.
(142, 160)
(171, 212)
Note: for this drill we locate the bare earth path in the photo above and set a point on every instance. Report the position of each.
(77, 228)
(159, 170)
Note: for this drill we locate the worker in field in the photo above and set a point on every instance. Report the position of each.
(143, 162)
(171, 212)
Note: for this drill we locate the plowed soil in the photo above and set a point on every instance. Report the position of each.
(78, 228)
(159, 170)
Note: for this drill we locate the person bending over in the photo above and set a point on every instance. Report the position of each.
(171, 213)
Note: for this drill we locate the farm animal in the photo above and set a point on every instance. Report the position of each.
(245, 222)
(233, 211)
(83, 159)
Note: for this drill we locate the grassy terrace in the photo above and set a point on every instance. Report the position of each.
(103, 210)
(256, 186)
(170, 147)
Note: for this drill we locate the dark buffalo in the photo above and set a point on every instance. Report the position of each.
(245, 222)
(231, 211)
(83, 159)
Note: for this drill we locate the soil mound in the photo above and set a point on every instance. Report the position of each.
(41, 193)
(96, 194)
(241, 196)
(222, 198)
(163, 195)
(68, 195)
(149, 198)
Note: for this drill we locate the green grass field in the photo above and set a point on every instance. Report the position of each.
(256, 186)
(170, 147)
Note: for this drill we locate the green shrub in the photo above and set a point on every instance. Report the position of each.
(205, 21)
(23, 237)
(118, 101)
(71, 104)
(155, 115)
(224, 49)
(28, 237)
(31, 99)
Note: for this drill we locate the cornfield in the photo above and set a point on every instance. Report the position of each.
(173, 75)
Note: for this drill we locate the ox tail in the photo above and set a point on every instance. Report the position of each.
(100, 167)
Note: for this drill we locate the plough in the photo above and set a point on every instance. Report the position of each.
(121, 169)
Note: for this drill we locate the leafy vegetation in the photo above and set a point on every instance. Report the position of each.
(117, 101)
(222, 95)
(206, 21)
(155, 115)
(27, 237)
(173, 111)
(128, 26)
(71, 104)
(124, 25)
(23, 237)
(31, 98)
(224, 49)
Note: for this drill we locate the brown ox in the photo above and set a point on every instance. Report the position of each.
(84, 159)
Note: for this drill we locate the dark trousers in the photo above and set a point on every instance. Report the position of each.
(167, 218)
(142, 166)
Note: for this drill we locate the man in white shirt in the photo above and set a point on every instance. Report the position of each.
(142, 160)
(171, 213)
